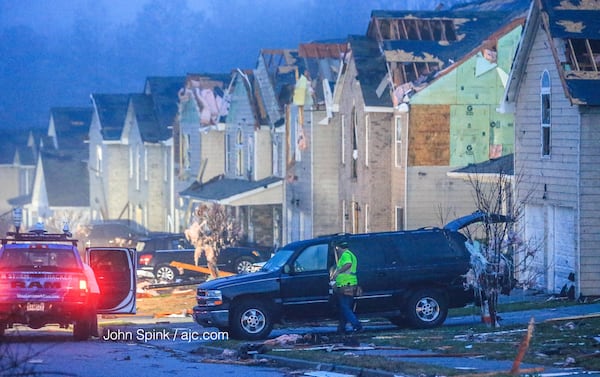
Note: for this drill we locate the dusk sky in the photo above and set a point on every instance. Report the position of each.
(56, 53)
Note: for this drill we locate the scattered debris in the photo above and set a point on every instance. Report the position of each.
(572, 318)
(321, 373)
(523, 348)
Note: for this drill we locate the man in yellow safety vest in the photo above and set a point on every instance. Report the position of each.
(346, 284)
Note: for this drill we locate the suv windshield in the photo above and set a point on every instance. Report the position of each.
(277, 261)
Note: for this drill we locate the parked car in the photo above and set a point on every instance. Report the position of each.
(156, 252)
(111, 233)
(410, 277)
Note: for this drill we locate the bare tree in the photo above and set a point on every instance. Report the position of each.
(212, 228)
(498, 250)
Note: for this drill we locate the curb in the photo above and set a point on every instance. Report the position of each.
(313, 365)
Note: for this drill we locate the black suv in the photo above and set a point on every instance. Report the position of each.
(410, 277)
(156, 252)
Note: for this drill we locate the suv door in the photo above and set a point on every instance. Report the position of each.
(115, 270)
(305, 283)
(376, 272)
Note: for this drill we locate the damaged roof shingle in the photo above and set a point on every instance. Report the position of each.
(574, 27)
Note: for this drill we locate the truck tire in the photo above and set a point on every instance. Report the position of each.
(166, 273)
(251, 320)
(426, 309)
(243, 265)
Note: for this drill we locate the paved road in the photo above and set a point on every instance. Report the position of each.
(51, 351)
(143, 350)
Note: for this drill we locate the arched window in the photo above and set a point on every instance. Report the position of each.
(546, 113)
(240, 152)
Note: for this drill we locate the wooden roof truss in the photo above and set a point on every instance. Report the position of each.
(416, 29)
(583, 54)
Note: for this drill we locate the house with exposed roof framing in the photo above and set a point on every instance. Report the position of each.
(418, 98)
(553, 92)
(238, 157)
(312, 186)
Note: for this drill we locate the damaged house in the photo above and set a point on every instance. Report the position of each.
(198, 137)
(418, 98)
(312, 147)
(237, 166)
(553, 92)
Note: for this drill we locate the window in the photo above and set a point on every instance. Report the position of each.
(165, 165)
(131, 162)
(344, 216)
(355, 217)
(398, 138)
(546, 114)
(98, 160)
(399, 218)
(240, 153)
(138, 162)
(187, 153)
(354, 143)
(229, 152)
(145, 164)
(366, 140)
(367, 218)
(250, 159)
(343, 137)
(313, 258)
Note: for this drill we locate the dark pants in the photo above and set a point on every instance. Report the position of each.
(346, 314)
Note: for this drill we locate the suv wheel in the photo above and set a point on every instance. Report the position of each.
(426, 309)
(165, 273)
(251, 320)
(243, 265)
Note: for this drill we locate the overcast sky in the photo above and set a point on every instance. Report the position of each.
(56, 52)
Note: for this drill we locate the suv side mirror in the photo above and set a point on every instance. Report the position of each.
(287, 269)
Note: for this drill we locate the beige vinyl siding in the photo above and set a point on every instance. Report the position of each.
(590, 201)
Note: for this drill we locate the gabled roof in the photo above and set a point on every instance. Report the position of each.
(472, 29)
(576, 23)
(164, 95)
(149, 128)
(248, 79)
(322, 59)
(278, 80)
(419, 46)
(67, 181)
(223, 190)
(573, 30)
(14, 148)
(372, 69)
(71, 125)
(112, 110)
